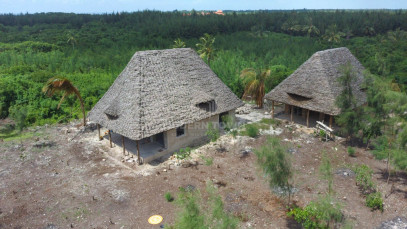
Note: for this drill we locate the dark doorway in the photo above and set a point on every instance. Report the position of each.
(159, 138)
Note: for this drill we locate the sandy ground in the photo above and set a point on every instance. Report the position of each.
(51, 181)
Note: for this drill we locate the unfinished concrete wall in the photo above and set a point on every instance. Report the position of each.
(195, 134)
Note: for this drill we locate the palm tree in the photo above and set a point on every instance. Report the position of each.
(397, 35)
(205, 47)
(310, 28)
(178, 43)
(369, 31)
(59, 84)
(332, 35)
(254, 81)
(72, 40)
(290, 26)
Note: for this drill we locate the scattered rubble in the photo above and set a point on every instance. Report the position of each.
(272, 131)
(396, 223)
(246, 109)
(42, 144)
(345, 172)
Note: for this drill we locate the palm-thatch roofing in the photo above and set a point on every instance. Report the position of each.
(314, 85)
(160, 90)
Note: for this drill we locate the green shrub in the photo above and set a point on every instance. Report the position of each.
(197, 214)
(19, 115)
(168, 197)
(325, 169)
(364, 178)
(351, 151)
(276, 165)
(375, 201)
(234, 133)
(228, 122)
(252, 130)
(270, 121)
(322, 134)
(183, 153)
(212, 133)
(322, 213)
(208, 160)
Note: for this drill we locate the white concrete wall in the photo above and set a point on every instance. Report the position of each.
(195, 134)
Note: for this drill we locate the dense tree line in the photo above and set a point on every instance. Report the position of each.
(178, 24)
(91, 50)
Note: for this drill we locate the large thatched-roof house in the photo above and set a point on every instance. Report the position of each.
(163, 101)
(314, 86)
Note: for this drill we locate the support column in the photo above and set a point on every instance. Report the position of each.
(99, 132)
(330, 121)
(307, 118)
(110, 139)
(272, 109)
(292, 112)
(124, 147)
(138, 153)
(321, 117)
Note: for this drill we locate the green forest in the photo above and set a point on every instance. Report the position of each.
(92, 50)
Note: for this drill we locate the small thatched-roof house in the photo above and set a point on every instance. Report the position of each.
(164, 99)
(314, 85)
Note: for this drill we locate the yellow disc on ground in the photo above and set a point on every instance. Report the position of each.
(155, 219)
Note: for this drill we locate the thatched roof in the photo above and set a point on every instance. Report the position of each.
(160, 90)
(314, 85)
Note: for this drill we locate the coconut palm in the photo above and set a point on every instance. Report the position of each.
(310, 29)
(397, 35)
(178, 43)
(369, 31)
(254, 81)
(72, 40)
(205, 47)
(332, 35)
(60, 84)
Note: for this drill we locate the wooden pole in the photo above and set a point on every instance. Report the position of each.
(124, 148)
(99, 132)
(330, 121)
(272, 109)
(307, 118)
(138, 153)
(292, 112)
(110, 139)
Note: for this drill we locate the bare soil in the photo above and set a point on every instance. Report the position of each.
(51, 181)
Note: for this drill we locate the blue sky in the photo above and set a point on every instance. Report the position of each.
(103, 6)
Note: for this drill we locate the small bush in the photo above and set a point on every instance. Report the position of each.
(270, 121)
(234, 133)
(168, 197)
(228, 122)
(351, 151)
(212, 133)
(276, 164)
(364, 178)
(325, 170)
(322, 213)
(252, 130)
(183, 153)
(322, 134)
(208, 160)
(375, 201)
(198, 214)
